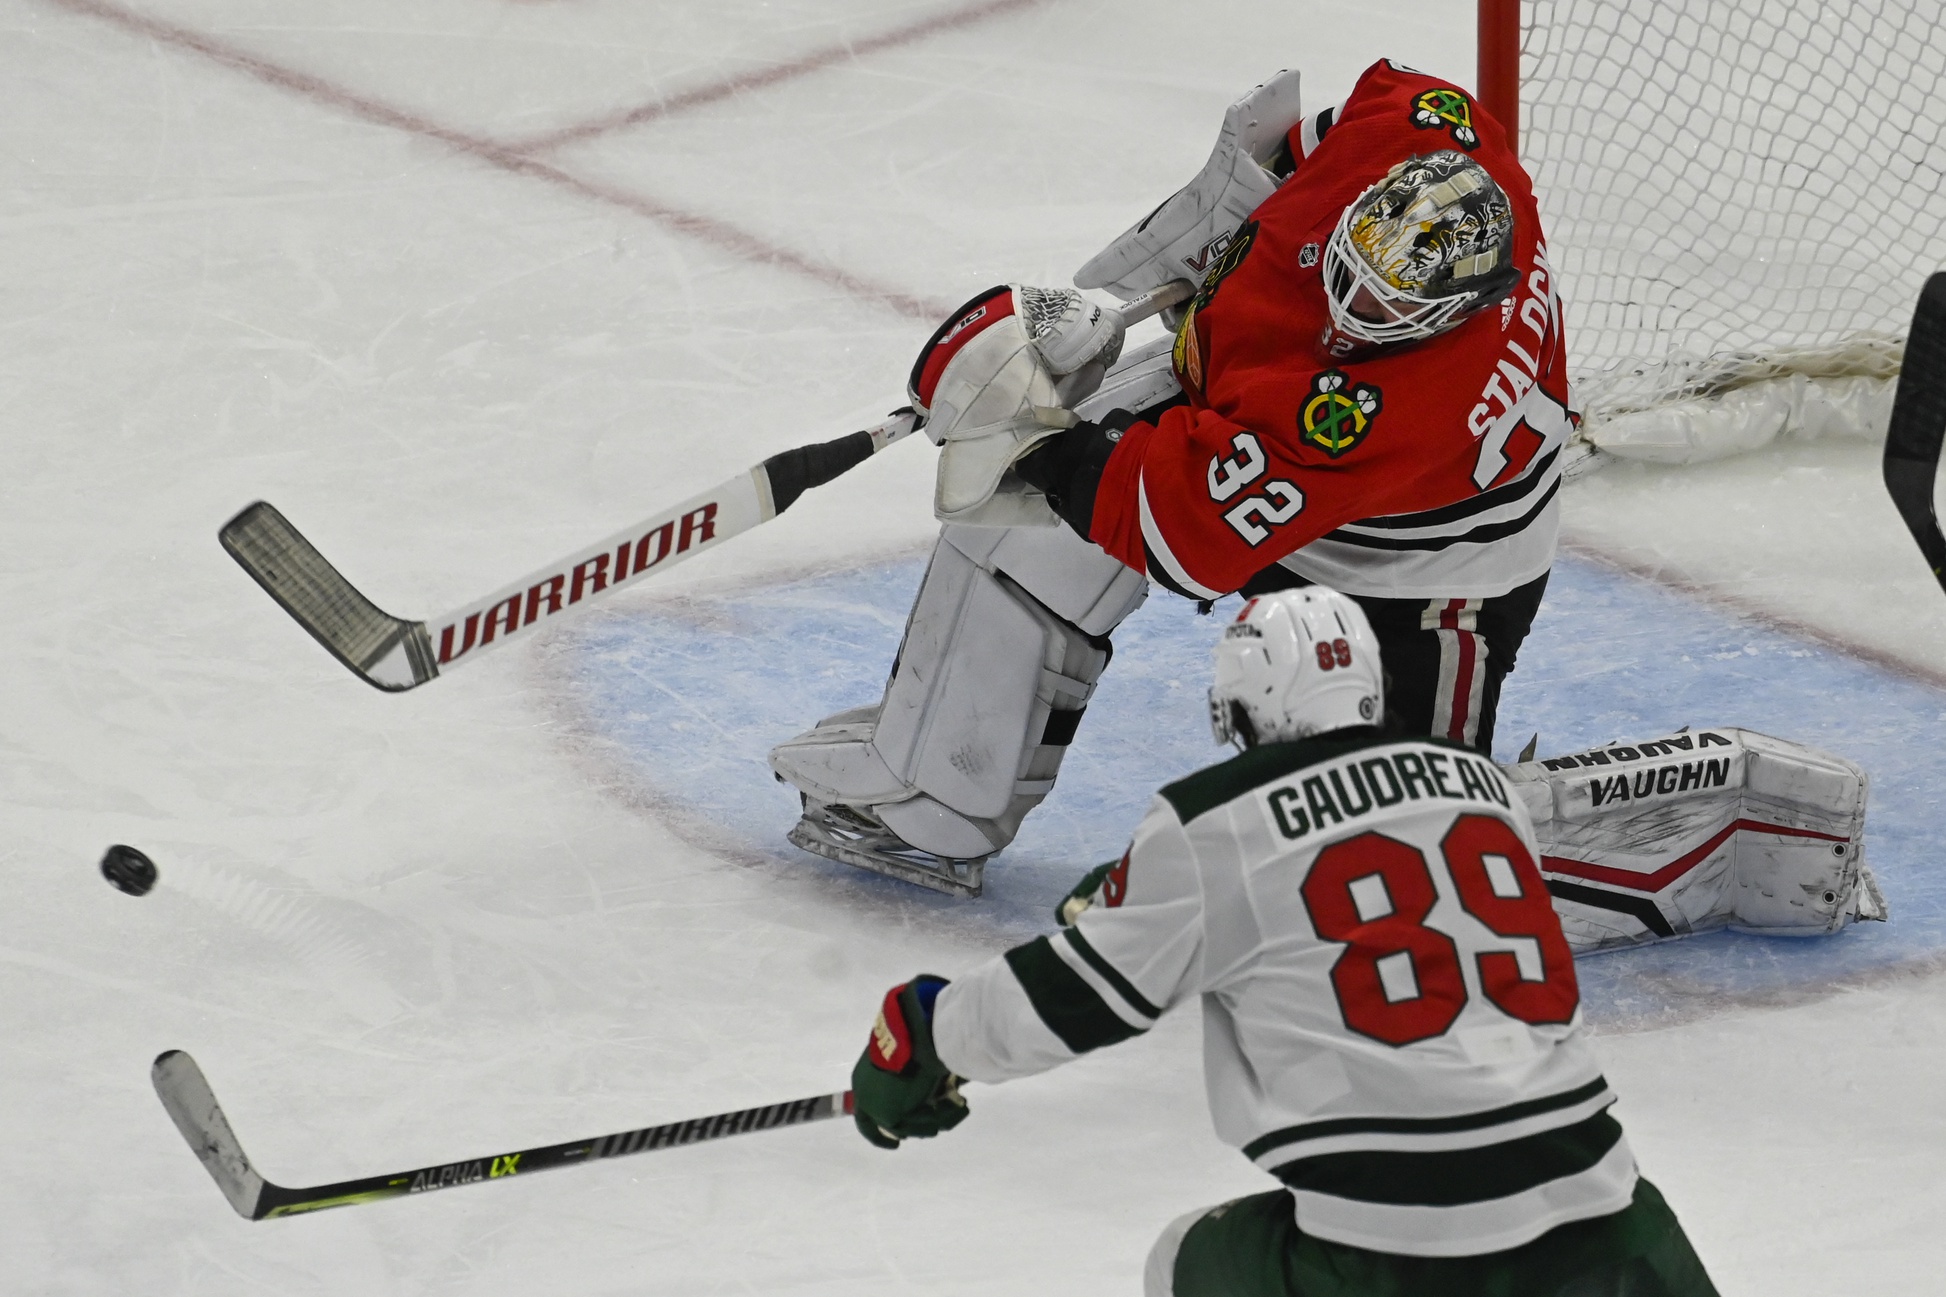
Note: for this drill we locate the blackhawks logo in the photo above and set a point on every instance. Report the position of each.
(1449, 108)
(1338, 414)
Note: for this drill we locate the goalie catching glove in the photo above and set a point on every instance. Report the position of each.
(997, 379)
(900, 1089)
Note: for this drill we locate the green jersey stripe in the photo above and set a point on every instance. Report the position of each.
(1256, 1148)
(1456, 1177)
(1111, 975)
(1073, 1010)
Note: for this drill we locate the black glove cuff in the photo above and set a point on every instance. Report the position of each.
(1067, 468)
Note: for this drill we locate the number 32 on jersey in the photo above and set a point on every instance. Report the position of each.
(1399, 981)
(1273, 504)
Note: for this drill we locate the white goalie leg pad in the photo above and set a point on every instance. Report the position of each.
(1182, 238)
(1001, 654)
(1705, 829)
(1078, 581)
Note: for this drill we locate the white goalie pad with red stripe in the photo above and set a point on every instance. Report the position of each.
(1704, 829)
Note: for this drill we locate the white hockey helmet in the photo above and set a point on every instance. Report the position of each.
(1419, 252)
(1295, 663)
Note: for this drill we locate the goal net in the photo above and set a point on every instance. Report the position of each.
(1743, 198)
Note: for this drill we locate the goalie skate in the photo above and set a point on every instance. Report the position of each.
(856, 837)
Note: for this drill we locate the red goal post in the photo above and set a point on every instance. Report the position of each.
(1742, 197)
(1498, 82)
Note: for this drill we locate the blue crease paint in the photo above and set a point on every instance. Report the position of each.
(694, 695)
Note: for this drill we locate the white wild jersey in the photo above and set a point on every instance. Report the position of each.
(1391, 1021)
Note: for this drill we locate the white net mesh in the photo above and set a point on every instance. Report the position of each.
(1736, 191)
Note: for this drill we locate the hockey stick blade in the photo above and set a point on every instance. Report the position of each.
(386, 651)
(396, 654)
(1912, 441)
(192, 1105)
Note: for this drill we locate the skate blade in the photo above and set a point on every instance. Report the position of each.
(953, 877)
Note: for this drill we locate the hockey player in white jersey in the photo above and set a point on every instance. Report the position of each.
(1392, 1024)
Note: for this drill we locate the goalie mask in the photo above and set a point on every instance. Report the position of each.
(1418, 253)
(1293, 664)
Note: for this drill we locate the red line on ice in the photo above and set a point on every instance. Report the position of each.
(803, 65)
(719, 234)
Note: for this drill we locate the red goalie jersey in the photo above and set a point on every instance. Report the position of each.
(1417, 471)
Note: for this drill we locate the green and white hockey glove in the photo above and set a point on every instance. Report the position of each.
(1105, 884)
(900, 1089)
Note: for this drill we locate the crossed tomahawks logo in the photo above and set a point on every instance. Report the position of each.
(1449, 108)
(1338, 414)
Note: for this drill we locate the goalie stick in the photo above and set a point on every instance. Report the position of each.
(191, 1104)
(396, 653)
(1912, 441)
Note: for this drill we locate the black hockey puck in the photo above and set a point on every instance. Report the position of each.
(128, 869)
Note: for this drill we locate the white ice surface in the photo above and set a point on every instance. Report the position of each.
(1801, 535)
(401, 930)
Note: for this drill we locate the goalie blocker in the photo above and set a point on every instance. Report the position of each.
(1700, 830)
